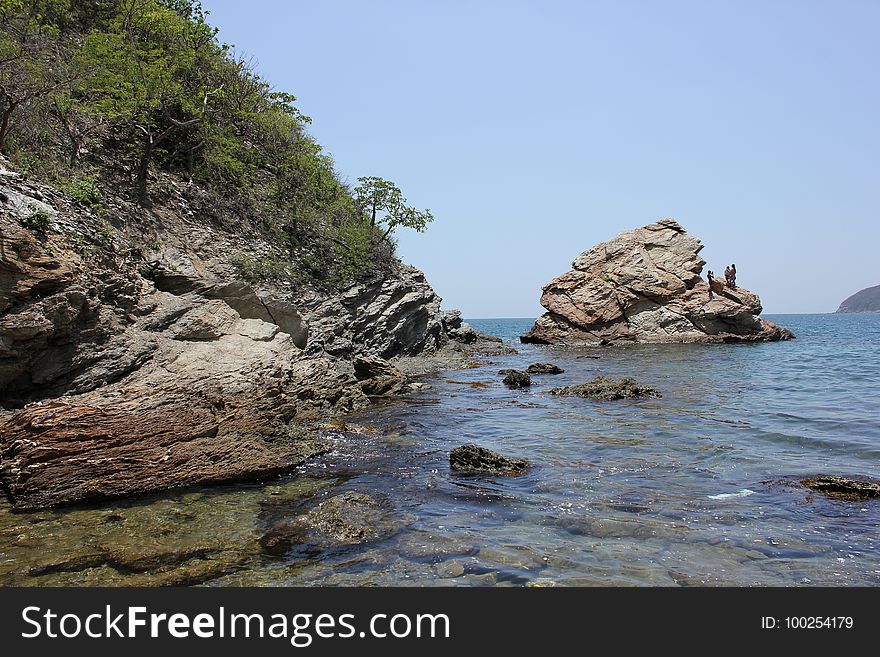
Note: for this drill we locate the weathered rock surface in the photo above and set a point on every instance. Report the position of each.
(608, 389)
(645, 286)
(843, 487)
(517, 379)
(377, 376)
(544, 368)
(473, 460)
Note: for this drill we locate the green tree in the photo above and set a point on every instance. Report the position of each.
(386, 207)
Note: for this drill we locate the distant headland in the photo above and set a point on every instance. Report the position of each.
(863, 301)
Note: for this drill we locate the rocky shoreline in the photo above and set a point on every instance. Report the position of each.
(129, 369)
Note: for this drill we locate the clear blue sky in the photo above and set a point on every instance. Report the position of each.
(535, 130)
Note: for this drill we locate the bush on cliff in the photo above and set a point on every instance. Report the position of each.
(116, 90)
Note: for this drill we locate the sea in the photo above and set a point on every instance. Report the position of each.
(698, 487)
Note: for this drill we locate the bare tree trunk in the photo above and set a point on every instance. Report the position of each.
(5, 123)
(143, 171)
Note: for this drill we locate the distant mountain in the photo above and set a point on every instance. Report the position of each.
(866, 301)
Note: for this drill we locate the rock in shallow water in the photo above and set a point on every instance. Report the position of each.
(472, 459)
(544, 368)
(843, 487)
(517, 379)
(349, 518)
(608, 389)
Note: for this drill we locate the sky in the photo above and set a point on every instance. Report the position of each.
(534, 130)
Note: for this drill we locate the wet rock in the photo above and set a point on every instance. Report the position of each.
(474, 460)
(645, 286)
(608, 389)
(449, 569)
(544, 368)
(517, 379)
(843, 487)
(377, 376)
(349, 518)
(421, 545)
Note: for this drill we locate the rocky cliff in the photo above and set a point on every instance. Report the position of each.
(645, 286)
(863, 301)
(132, 358)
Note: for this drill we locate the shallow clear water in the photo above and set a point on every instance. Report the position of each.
(692, 488)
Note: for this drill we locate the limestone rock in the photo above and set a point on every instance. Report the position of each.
(645, 286)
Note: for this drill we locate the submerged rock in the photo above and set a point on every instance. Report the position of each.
(544, 368)
(349, 518)
(843, 487)
(608, 389)
(517, 379)
(645, 286)
(472, 459)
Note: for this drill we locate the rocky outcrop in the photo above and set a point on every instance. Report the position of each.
(863, 301)
(645, 286)
(608, 389)
(131, 363)
(474, 460)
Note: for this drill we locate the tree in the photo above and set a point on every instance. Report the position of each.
(386, 207)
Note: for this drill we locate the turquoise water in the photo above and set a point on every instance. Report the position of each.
(692, 488)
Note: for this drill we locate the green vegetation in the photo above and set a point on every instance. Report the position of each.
(118, 90)
(37, 222)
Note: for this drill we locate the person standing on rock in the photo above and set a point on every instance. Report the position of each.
(727, 275)
(732, 281)
(711, 278)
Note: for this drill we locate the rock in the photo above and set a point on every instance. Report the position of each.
(349, 518)
(544, 368)
(378, 376)
(863, 301)
(644, 286)
(843, 487)
(473, 460)
(517, 379)
(133, 358)
(608, 389)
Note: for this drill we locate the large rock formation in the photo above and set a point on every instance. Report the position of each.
(863, 301)
(645, 286)
(134, 362)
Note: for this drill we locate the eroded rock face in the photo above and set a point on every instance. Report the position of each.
(645, 286)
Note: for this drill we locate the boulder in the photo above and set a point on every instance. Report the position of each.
(608, 389)
(474, 460)
(645, 286)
